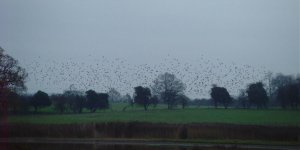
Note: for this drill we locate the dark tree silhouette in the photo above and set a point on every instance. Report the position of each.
(14, 102)
(167, 86)
(293, 95)
(69, 100)
(25, 102)
(75, 99)
(182, 100)
(281, 96)
(220, 95)
(96, 101)
(40, 99)
(104, 103)
(289, 95)
(77, 104)
(12, 78)
(92, 100)
(59, 102)
(277, 82)
(142, 96)
(280, 80)
(257, 95)
(154, 100)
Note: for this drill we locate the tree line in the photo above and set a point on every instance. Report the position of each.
(70, 101)
(282, 90)
(75, 101)
(167, 90)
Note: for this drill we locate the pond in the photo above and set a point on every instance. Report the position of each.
(31, 146)
(95, 146)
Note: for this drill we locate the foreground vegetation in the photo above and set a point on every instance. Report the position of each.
(160, 114)
(159, 131)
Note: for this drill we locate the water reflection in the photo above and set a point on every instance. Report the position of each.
(60, 146)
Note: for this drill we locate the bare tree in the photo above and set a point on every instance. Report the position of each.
(114, 95)
(280, 80)
(167, 87)
(12, 78)
(269, 77)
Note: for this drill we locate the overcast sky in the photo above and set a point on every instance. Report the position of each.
(259, 33)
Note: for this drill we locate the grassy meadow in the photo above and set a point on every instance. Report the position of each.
(160, 114)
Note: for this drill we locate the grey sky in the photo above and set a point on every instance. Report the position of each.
(259, 33)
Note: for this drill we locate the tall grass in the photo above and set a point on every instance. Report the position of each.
(157, 131)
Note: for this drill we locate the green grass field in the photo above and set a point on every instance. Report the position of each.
(162, 115)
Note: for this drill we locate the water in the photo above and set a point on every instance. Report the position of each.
(63, 146)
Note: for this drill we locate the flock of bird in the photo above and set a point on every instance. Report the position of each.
(103, 73)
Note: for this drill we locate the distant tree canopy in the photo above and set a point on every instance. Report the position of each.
(142, 96)
(127, 98)
(75, 99)
(257, 95)
(96, 101)
(13, 101)
(289, 94)
(243, 99)
(92, 100)
(71, 100)
(40, 99)
(12, 78)
(220, 95)
(182, 100)
(281, 80)
(18, 103)
(103, 97)
(277, 82)
(154, 100)
(201, 102)
(114, 95)
(59, 102)
(167, 87)
(25, 103)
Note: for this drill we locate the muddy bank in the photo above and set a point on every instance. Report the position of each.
(140, 130)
